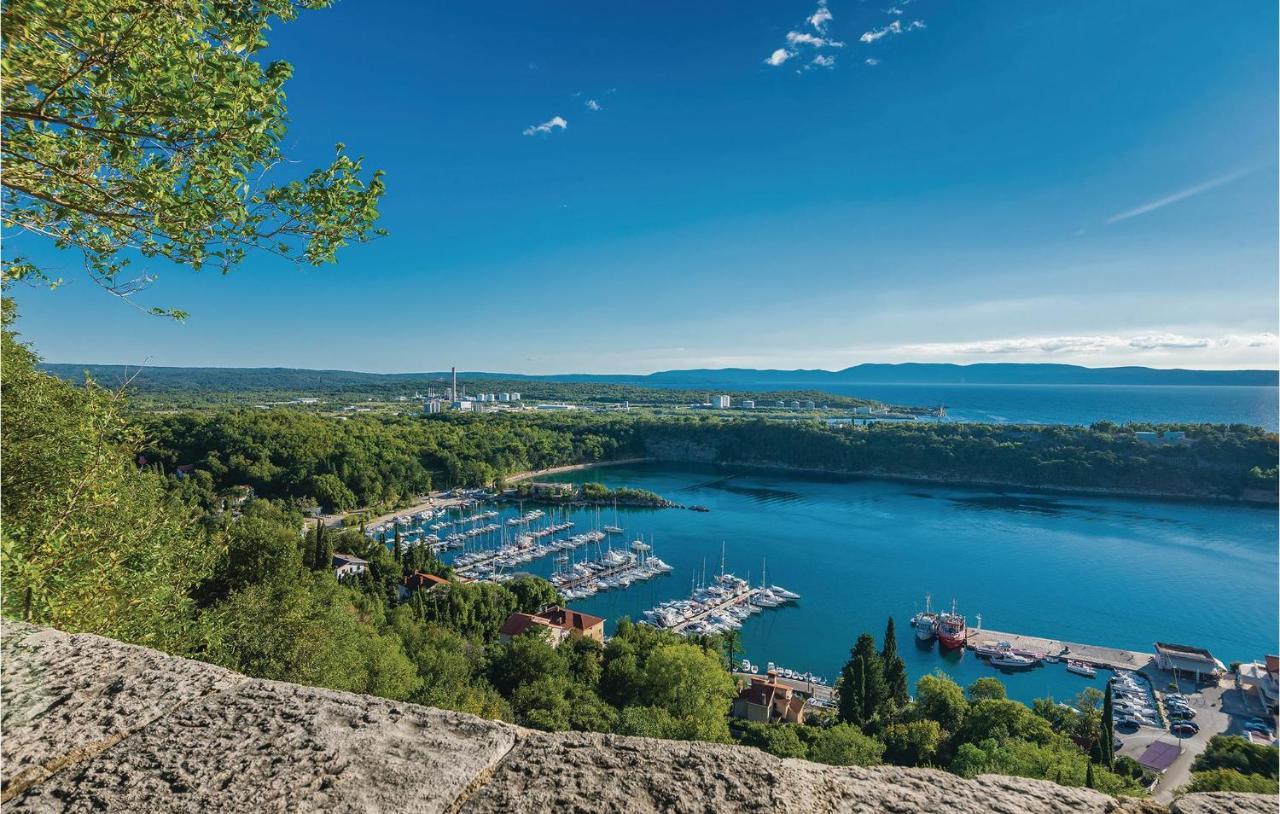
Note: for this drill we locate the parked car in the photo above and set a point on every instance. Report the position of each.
(1261, 729)
(1181, 714)
(1184, 729)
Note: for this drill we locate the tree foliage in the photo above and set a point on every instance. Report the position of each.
(91, 542)
(144, 131)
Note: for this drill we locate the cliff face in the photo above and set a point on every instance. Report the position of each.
(93, 724)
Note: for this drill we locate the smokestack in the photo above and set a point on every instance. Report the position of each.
(454, 371)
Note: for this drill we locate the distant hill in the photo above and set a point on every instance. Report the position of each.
(279, 378)
(997, 373)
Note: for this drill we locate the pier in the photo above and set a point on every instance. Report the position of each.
(1109, 658)
(617, 570)
(711, 610)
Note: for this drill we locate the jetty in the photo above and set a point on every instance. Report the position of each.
(1109, 658)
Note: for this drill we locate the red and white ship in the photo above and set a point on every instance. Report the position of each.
(951, 629)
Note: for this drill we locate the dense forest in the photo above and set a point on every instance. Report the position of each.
(365, 460)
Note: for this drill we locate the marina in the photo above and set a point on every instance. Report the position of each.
(613, 569)
(722, 605)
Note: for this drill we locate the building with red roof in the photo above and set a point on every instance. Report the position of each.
(766, 700)
(556, 623)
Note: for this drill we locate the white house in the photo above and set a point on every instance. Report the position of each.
(348, 565)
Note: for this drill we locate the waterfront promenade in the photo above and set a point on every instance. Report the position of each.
(1110, 658)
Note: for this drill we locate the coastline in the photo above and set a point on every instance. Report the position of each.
(1098, 491)
(555, 470)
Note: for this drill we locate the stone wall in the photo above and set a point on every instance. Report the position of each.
(93, 724)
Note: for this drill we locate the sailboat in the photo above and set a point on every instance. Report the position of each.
(615, 528)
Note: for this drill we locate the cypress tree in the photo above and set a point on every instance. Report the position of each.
(309, 552)
(1108, 733)
(398, 554)
(1088, 775)
(323, 553)
(895, 669)
(862, 685)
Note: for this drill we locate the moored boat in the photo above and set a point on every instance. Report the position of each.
(925, 622)
(951, 629)
(1081, 668)
(1012, 661)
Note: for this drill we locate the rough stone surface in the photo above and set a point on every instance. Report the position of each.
(92, 724)
(592, 772)
(1222, 803)
(268, 746)
(68, 697)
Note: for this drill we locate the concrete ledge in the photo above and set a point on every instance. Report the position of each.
(93, 724)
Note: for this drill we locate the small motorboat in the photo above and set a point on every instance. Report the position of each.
(1081, 669)
(1012, 661)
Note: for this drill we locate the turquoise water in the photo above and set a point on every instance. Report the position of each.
(1123, 573)
(1082, 404)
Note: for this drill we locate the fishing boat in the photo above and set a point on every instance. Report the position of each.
(925, 622)
(1082, 669)
(951, 629)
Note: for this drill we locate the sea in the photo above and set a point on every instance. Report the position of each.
(1095, 570)
(1082, 404)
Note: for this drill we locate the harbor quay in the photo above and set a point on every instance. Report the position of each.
(1110, 658)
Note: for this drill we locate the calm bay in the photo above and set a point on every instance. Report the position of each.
(1117, 572)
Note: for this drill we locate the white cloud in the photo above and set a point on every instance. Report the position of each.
(821, 17)
(805, 38)
(824, 61)
(893, 10)
(592, 104)
(778, 57)
(872, 61)
(1181, 195)
(547, 126)
(895, 27)
(1089, 345)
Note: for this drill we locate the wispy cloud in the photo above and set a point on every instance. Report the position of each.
(896, 27)
(546, 127)
(1181, 195)
(871, 61)
(893, 10)
(821, 17)
(592, 104)
(1090, 344)
(798, 40)
(778, 57)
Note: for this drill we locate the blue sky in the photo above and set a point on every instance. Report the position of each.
(1090, 182)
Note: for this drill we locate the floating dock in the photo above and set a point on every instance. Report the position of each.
(711, 610)
(1109, 658)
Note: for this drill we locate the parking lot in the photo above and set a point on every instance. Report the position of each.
(1219, 709)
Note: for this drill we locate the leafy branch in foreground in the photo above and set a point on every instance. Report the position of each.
(146, 129)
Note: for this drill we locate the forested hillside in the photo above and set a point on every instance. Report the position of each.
(367, 460)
